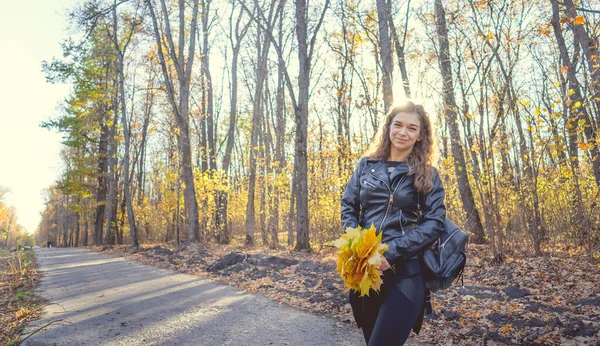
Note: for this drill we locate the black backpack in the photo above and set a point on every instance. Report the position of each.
(445, 260)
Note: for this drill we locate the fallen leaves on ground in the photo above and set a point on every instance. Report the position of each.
(18, 303)
(546, 300)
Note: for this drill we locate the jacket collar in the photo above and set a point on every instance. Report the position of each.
(400, 170)
(380, 169)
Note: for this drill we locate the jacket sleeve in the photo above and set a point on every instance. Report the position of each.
(427, 232)
(350, 210)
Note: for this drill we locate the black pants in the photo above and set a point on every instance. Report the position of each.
(387, 318)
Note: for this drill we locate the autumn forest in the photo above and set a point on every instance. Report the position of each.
(219, 121)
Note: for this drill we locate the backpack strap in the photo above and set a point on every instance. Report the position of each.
(428, 306)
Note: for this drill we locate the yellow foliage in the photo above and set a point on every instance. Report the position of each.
(506, 329)
(23, 312)
(584, 146)
(359, 255)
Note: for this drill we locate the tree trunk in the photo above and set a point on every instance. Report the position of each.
(222, 196)
(588, 45)
(111, 176)
(262, 47)
(77, 228)
(267, 186)
(65, 221)
(101, 188)
(178, 212)
(202, 160)
(473, 221)
(590, 51)
(84, 240)
(300, 105)
(181, 106)
(385, 52)
(301, 145)
(126, 134)
(400, 48)
(208, 91)
(147, 119)
(121, 224)
(256, 116)
(578, 213)
(291, 224)
(279, 141)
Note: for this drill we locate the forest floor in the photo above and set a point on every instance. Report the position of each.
(549, 300)
(18, 303)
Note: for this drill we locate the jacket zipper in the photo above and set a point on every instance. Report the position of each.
(391, 200)
(368, 183)
(447, 239)
(401, 225)
(381, 180)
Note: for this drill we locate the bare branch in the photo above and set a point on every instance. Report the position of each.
(163, 64)
(168, 31)
(190, 58)
(582, 9)
(68, 323)
(312, 41)
(277, 49)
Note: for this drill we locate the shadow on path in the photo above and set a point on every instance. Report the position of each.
(113, 301)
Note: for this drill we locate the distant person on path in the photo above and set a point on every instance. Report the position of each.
(389, 188)
(49, 244)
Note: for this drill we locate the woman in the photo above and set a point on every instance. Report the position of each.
(396, 189)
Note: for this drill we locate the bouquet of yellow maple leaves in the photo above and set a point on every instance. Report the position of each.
(359, 255)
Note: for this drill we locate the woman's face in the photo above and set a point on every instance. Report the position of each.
(405, 131)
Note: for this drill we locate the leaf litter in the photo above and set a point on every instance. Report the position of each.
(546, 300)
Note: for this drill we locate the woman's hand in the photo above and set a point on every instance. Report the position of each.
(385, 265)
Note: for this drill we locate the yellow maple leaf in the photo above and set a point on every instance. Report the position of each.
(360, 252)
(578, 20)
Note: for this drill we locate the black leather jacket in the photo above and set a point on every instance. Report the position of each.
(390, 203)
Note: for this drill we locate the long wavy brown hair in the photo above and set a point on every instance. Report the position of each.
(419, 160)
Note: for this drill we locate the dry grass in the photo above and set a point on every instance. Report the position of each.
(18, 303)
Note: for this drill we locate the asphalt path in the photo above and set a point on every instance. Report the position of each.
(95, 299)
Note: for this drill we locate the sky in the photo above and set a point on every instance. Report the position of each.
(31, 32)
